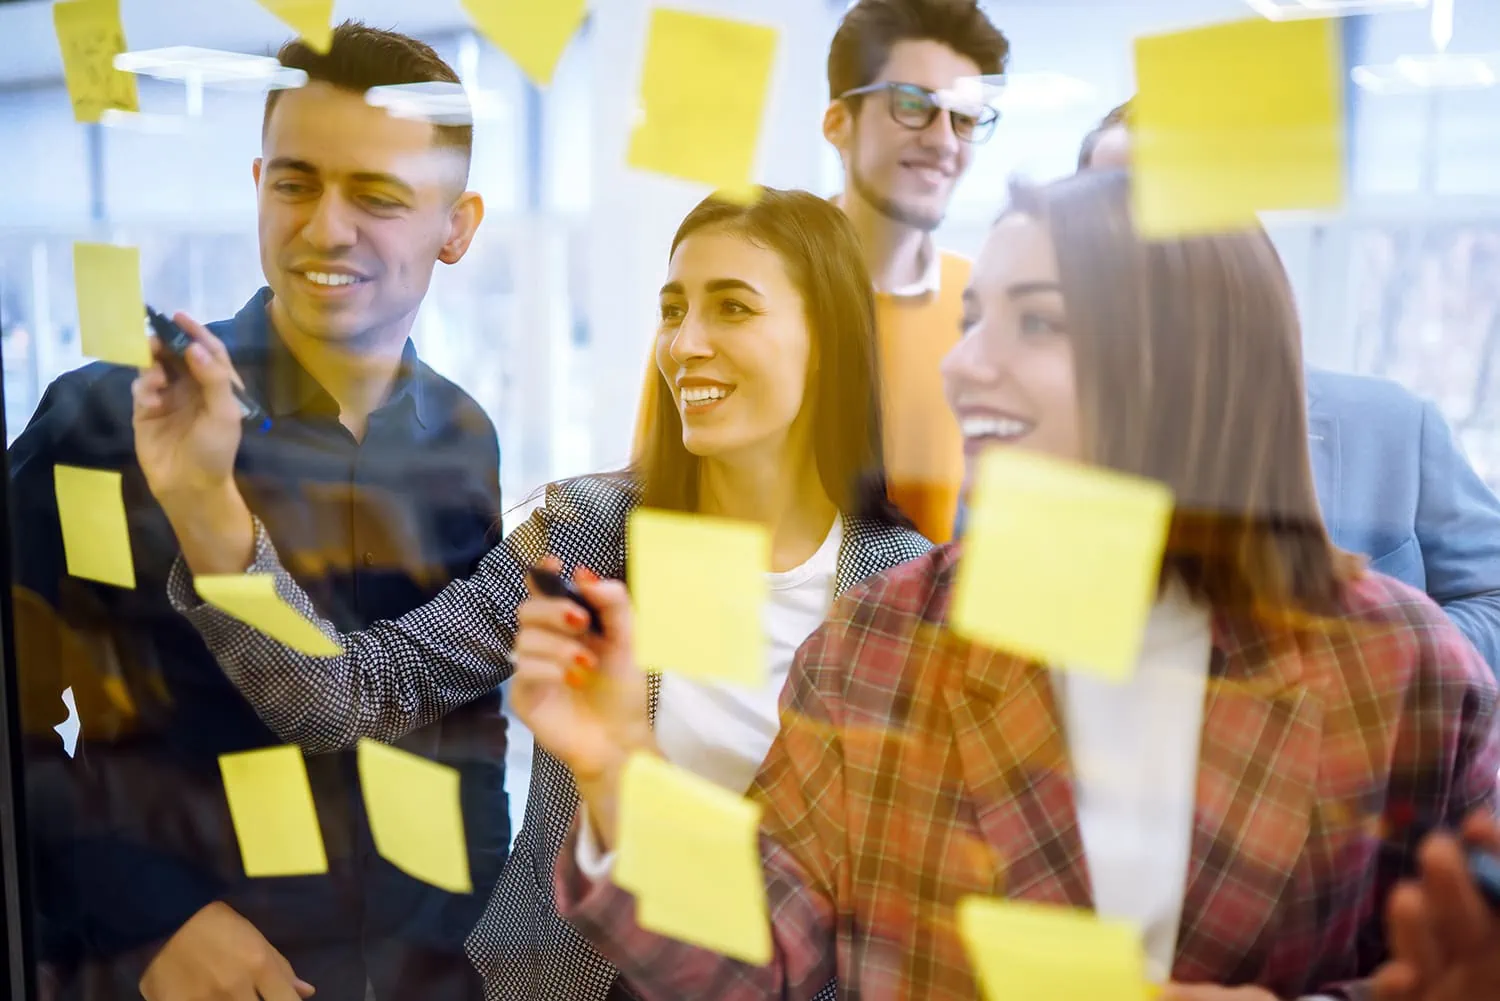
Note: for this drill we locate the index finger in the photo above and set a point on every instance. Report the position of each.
(202, 335)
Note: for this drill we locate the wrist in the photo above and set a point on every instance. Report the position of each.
(214, 527)
(600, 794)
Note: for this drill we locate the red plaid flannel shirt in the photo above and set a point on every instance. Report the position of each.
(913, 768)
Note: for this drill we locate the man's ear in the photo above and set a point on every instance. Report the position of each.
(255, 166)
(463, 222)
(838, 125)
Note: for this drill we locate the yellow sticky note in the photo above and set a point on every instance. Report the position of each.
(271, 804)
(702, 98)
(533, 34)
(89, 36)
(1036, 952)
(252, 599)
(1060, 561)
(690, 853)
(111, 313)
(1221, 132)
(415, 815)
(96, 534)
(312, 19)
(700, 623)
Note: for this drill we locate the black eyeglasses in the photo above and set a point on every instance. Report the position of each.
(917, 107)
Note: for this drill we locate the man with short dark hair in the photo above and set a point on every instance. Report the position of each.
(1392, 482)
(378, 477)
(905, 112)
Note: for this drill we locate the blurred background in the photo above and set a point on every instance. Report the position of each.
(547, 321)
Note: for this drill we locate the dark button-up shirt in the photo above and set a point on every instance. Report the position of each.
(132, 836)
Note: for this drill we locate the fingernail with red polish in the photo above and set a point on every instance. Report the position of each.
(584, 662)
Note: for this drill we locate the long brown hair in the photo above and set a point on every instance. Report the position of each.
(1188, 355)
(821, 253)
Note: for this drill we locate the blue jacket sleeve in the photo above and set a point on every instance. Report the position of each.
(1458, 528)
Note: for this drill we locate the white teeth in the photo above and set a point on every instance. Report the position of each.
(993, 427)
(705, 394)
(323, 278)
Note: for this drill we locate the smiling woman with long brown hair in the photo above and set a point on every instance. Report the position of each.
(1248, 798)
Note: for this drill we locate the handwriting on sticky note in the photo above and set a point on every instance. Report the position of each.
(311, 19)
(703, 94)
(1060, 561)
(252, 599)
(533, 34)
(1221, 132)
(271, 804)
(1037, 952)
(415, 815)
(111, 314)
(708, 624)
(689, 851)
(95, 531)
(89, 36)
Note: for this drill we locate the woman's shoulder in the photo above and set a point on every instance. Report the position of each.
(879, 545)
(597, 495)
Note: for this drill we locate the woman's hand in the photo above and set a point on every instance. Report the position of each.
(187, 434)
(582, 695)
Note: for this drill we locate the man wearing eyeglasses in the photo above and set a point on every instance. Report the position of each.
(905, 117)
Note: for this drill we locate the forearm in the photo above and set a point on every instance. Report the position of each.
(215, 531)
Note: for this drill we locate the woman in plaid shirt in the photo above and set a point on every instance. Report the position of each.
(1341, 714)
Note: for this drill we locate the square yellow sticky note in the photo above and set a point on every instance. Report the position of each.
(698, 588)
(1035, 952)
(95, 531)
(531, 33)
(1060, 561)
(703, 95)
(252, 599)
(271, 804)
(690, 852)
(415, 815)
(89, 36)
(1221, 132)
(111, 313)
(312, 19)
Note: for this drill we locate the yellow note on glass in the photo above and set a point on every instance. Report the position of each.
(1221, 132)
(1037, 952)
(698, 588)
(703, 96)
(690, 853)
(1060, 561)
(252, 599)
(533, 34)
(415, 815)
(271, 804)
(312, 19)
(111, 313)
(95, 532)
(89, 36)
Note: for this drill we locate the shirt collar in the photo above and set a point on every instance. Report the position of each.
(275, 378)
(928, 283)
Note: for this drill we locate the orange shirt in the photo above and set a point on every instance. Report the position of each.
(924, 453)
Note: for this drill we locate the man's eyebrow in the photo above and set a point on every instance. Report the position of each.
(297, 166)
(1021, 289)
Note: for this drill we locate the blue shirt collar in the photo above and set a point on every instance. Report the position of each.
(275, 378)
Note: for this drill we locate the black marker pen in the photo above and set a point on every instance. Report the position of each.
(177, 341)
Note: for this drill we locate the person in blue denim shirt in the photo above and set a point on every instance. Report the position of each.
(379, 477)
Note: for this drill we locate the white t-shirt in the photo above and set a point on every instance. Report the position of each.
(1134, 751)
(722, 732)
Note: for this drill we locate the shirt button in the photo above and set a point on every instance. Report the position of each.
(369, 559)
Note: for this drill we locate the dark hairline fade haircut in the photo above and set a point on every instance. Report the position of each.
(1117, 116)
(360, 58)
(871, 29)
(821, 253)
(1188, 361)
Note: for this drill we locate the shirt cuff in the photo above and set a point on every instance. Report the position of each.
(593, 862)
(184, 597)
